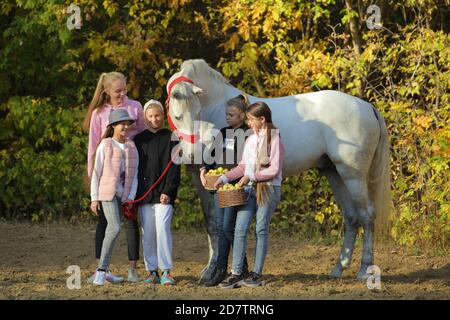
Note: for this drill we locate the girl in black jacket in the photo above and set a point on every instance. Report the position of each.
(232, 143)
(155, 211)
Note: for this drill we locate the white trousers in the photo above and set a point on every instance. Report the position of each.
(156, 235)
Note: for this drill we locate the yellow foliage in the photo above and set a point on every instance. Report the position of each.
(423, 121)
(319, 217)
(266, 48)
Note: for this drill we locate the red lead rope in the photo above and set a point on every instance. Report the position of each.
(131, 213)
(156, 182)
(174, 128)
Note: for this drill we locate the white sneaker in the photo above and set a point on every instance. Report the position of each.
(100, 277)
(112, 278)
(90, 280)
(133, 275)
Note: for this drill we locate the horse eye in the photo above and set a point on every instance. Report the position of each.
(178, 118)
(177, 95)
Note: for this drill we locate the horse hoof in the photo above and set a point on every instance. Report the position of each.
(336, 273)
(208, 274)
(218, 277)
(362, 276)
(204, 279)
(362, 273)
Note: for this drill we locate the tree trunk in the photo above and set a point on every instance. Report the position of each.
(355, 32)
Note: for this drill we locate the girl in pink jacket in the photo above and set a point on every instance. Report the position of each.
(260, 173)
(110, 94)
(114, 182)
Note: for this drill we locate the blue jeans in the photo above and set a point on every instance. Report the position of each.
(225, 222)
(244, 218)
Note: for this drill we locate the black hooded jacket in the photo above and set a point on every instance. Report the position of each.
(154, 154)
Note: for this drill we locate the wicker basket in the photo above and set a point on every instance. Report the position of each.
(210, 180)
(230, 198)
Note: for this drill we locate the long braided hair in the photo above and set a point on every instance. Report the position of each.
(261, 109)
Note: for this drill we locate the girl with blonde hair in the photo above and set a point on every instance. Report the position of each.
(110, 94)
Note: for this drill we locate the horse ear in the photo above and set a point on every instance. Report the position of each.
(196, 90)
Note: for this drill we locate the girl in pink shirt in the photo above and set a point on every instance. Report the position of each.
(110, 94)
(260, 171)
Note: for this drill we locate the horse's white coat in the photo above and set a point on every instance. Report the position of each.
(315, 128)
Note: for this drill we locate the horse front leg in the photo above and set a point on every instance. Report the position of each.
(209, 272)
(207, 203)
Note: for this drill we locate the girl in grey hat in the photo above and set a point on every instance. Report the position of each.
(114, 181)
(110, 94)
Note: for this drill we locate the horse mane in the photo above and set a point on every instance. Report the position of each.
(207, 78)
(199, 66)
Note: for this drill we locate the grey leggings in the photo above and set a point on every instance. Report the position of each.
(112, 211)
(131, 228)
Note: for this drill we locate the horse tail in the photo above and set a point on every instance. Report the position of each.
(380, 182)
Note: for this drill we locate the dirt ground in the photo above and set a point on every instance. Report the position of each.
(34, 260)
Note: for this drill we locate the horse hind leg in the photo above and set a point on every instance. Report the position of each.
(345, 204)
(358, 189)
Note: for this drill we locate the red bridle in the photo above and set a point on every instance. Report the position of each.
(192, 138)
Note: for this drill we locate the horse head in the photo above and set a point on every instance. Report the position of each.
(183, 112)
(194, 88)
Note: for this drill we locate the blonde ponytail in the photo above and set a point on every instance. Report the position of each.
(99, 92)
(263, 189)
(240, 102)
(100, 96)
(246, 100)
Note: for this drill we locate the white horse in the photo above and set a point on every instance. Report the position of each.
(341, 135)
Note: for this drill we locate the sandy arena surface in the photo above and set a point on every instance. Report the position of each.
(34, 260)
